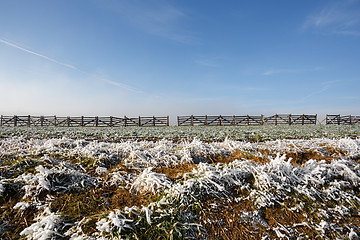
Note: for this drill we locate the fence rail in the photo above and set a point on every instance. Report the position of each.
(342, 120)
(82, 121)
(291, 119)
(246, 120)
(191, 120)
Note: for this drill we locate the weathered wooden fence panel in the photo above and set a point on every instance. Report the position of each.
(219, 120)
(303, 119)
(255, 120)
(350, 120)
(153, 121)
(82, 121)
(193, 120)
(333, 119)
(342, 120)
(215, 120)
(246, 120)
(297, 119)
(8, 121)
(277, 119)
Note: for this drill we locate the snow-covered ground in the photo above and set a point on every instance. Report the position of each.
(76, 187)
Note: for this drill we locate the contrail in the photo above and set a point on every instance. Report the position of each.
(37, 54)
(120, 85)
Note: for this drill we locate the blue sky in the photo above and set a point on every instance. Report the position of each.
(108, 57)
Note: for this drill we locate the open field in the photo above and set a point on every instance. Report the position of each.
(265, 182)
(204, 133)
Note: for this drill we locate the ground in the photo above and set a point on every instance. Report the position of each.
(183, 183)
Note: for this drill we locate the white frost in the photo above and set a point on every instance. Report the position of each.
(45, 226)
(150, 181)
(115, 221)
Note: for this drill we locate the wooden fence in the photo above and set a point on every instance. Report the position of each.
(192, 120)
(246, 120)
(82, 121)
(342, 120)
(291, 119)
(219, 120)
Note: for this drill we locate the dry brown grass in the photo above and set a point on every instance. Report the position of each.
(333, 151)
(79, 204)
(237, 154)
(222, 220)
(299, 158)
(122, 198)
(175, 172)
(93, 203)
(16, 220)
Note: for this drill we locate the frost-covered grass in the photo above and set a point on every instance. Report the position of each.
(206, 133)
(67, 186)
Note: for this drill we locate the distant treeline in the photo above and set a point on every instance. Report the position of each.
(191, 120)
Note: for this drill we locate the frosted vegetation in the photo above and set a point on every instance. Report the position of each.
(207, 133)
(180, 183)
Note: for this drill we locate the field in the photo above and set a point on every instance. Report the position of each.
(264, 182)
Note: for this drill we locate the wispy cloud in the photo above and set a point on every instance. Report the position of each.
(349, 97)
(277, 71)
(324, 87)
(255, 89)
(340, 18)
(347, 33)
(207, 63)
(292, 71)
(113, 83)
(314, 93)
(158, 18)
(121, 85)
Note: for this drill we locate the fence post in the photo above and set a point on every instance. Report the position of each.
(192, 120)
(55, 121)
(206, 123)
(167, 121)
(125, 121)
(276, 119)
(28, 120)
(234, 120)
(42, 121)
(1, 121)
(15, 120)
(154, 121)
(68, 121)
(248, 120)
(289, 119)
(262, 119)
(139, 123)
(178, 120)
(111, 121)
(82, 121)
(315, 118)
